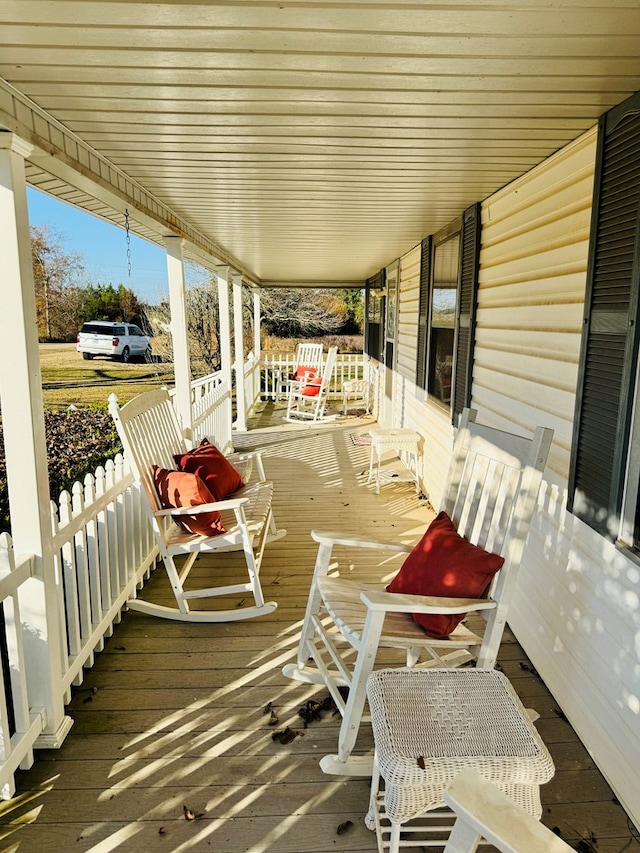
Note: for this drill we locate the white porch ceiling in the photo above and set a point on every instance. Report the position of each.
(317, 141)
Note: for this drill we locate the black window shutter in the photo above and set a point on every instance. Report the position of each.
(423, 312)
(373, 331)
(467, 300)
(609, 343)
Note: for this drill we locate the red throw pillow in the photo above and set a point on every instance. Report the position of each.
(176, 489)
(213, 468)
(303, 373)
(313, 388)
(445, 564)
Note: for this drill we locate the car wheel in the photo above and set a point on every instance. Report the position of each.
(126, 355)
(87, 356)
(148, 355)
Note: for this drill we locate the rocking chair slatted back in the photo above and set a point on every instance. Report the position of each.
(492, 489)
(308, 355)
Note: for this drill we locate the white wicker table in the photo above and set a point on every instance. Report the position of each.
(430, 724)
(401, 441)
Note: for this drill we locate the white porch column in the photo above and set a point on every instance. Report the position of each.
(179, 333)
(257, 345)
(25, 447)
(222, 274)
(238, 336)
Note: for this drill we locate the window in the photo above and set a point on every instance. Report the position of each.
(605, 466)
(448, 290)
(442, 320)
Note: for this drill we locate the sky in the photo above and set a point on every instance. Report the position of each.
(103, 247)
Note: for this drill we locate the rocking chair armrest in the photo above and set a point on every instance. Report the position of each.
(332, 537)
(216, 506)
(240, 455)
(252, 458)
(399, 602)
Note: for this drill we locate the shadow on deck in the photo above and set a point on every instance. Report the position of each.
(171, 749)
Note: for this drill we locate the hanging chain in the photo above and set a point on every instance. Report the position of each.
(126, 228)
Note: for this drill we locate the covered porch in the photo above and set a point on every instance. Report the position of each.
(459, 162)
(172, 715)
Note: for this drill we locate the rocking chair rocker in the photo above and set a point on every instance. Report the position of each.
(490, 497)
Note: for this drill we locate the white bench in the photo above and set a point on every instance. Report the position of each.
(151, 435)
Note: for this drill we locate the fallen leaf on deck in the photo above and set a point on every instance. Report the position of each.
(267, 708)
(273, 719)
(344, 827)
(190, 814)
(287, 735)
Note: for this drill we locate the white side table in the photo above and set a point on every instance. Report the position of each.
(430, 724)
(401, 441)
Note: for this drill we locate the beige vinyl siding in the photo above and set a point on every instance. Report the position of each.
(533, 260)
(575, 607)
(409, 292)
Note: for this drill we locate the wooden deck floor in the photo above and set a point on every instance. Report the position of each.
(171, 715)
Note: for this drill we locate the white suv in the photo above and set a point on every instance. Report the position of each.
(118, 340)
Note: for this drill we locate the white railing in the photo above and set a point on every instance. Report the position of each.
(19, 724)
(251, 381)
(277, 366)
(103, 550)
(211, 401)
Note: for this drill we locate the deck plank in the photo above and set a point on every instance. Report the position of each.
(171, 714)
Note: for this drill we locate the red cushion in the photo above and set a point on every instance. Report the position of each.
(218, 474)
(176, 489)
(445, 564)
(300, 372)
(313, 388)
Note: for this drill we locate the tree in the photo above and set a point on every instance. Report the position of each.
(106, 302)
(57, 276)
(302, 312)
(354, 304)
(202, 327)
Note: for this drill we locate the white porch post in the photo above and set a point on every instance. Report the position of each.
(241, 404)
(257, 345)
(179, 334)
(25, 447)
(222, 274)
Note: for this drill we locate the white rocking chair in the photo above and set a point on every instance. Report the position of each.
(490, 496)
(151, 435)
(483, 811)
(308, 398)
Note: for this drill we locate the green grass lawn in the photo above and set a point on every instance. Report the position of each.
(67, 379)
